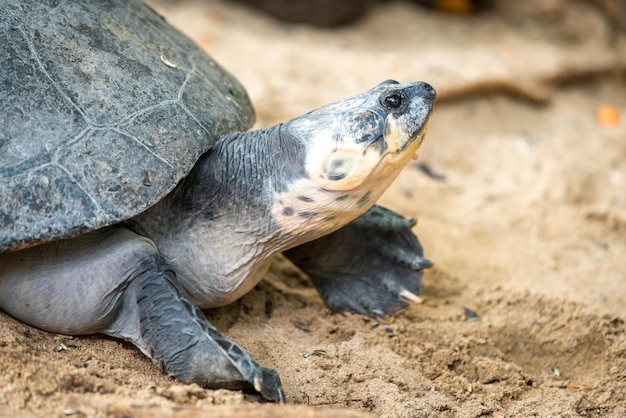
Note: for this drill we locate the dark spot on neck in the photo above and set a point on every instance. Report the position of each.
(305, 199)
(307, 214)
(363, 200)
(288, 211)
(342, 197)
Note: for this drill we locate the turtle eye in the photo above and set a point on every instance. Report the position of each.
(393, 100)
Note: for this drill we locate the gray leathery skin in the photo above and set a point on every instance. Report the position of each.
(364, 267)
(161, 321)
(226, 200)
(115, 282)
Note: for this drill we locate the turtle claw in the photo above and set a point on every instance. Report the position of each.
(373, 266)
(268, 385)
(381, 317)
(421, 263)
(177, 336)
(409, 297)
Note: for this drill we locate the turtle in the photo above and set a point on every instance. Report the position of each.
(133, 196)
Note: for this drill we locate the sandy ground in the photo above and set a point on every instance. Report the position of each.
(525, 219)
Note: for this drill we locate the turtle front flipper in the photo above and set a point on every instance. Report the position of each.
(373, 266)
(161, 321)
(114, 281)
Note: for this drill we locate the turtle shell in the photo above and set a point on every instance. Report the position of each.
(104, 107)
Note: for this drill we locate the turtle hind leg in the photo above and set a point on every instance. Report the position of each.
(373, 266)
(163, 323)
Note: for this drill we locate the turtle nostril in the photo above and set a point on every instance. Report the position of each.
(429, 90)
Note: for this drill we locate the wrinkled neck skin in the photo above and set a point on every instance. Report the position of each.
(245, 200)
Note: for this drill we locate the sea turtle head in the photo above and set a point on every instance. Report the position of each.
(365, 139)
(348, 153)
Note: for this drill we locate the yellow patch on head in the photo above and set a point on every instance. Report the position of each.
(348, 167)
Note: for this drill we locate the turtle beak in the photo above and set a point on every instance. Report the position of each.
(405, 128)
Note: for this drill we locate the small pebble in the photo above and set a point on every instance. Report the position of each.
(301, 326)
(318, 353)
(426, 169)
(61, 347)
(470, 315)
(555, 372)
